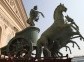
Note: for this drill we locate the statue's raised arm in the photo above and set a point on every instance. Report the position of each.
(42, 14)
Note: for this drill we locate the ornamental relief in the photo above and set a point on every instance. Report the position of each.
(13, 5)
(4, 20)
(6, 23)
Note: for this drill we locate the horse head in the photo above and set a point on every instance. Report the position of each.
(58, 13)
(61, 8)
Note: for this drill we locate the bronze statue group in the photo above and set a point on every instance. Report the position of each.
(58, 35)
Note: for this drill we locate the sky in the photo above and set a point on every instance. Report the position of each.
(47, 7)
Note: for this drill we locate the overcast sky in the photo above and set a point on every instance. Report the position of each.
(75, 11)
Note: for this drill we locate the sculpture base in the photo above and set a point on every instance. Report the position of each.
(33, 60)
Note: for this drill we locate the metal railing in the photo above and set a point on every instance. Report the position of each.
(43, 59)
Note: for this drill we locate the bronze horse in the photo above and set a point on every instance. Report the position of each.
(58, 35)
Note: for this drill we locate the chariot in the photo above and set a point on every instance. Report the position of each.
(24, 40)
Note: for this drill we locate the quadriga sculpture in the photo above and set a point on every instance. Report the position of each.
(58, 35)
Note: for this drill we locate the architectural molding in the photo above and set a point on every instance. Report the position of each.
(13, 19)
(14, 7)
(6, 19)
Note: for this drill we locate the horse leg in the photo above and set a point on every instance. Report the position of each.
(68, 48)
(55, 49)
(46, 52)
(46, 49)
(38, 50)
(42, 42)
(74, 43)
(60, 54)
(78, 33)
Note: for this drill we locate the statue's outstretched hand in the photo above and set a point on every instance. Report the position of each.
(42, 14)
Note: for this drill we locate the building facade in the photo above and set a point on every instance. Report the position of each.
(12, 19)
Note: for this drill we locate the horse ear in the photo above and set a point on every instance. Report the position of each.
(60, 3)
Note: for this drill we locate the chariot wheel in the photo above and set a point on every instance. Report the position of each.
(19, 46)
